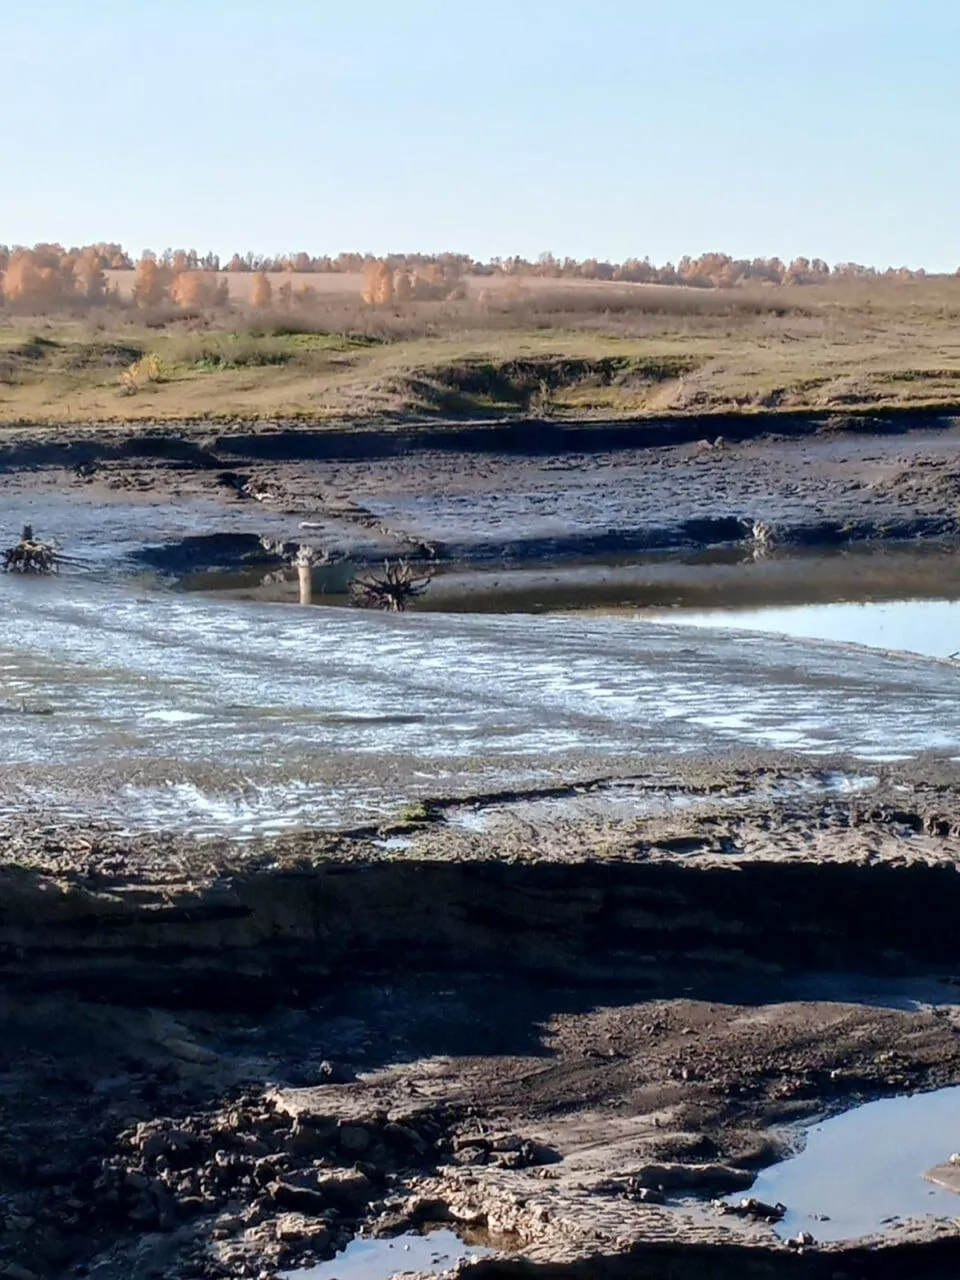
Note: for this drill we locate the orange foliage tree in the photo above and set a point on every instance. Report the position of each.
(198, 289)
(151, 282)
(89, 282)
(33, 276)
(261, 292)
(377, 289)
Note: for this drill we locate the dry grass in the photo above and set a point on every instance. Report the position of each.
(551, 348)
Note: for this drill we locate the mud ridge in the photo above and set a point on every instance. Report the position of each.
(192, 442)
(266, 937)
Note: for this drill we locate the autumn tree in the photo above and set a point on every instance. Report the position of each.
(89, 282)
(369, 285)
(193, 288)
(261, 292)
(151, 282)
(33, 277)
(402, 286)
(377, 290)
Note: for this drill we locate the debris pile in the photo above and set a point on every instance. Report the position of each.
(30, 555)
(394, 589)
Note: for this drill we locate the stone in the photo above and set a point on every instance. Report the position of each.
(354, 1137)
(349, 1190)
(403, 1135)
(303, 1200)
(711, 1177)
(307, 1138)
(295, 1228)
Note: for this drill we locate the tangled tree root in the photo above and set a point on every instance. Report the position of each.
(29, 555)
(393, 589)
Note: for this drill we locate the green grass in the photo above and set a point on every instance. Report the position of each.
(844, 347)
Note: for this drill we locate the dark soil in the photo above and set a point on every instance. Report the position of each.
(215, 1069)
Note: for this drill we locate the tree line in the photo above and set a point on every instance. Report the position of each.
(48, 274)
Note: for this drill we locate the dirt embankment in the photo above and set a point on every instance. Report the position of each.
(216, 1066)
(523, 491)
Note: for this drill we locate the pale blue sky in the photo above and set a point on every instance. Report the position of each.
(604, 128)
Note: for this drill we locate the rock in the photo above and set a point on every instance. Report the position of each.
(295, 1228)
(351, 1190)
(711, 1177)
(752, 1208)
(336, 1073)
(354, 1137)
(803, 1240)
(19, 1223)
(402, 1135)
(188, 1051)
(506, 1142)
(469, 1156)
(13, 1271)
(175, 1145)
(646, 1195)
(302, 1200)
(308, 1137)
(472, 1142)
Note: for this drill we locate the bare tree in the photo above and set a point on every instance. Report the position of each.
(393, 589)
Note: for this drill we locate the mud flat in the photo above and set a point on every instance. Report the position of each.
(527, 490)
(549, 932)
(555, 1031)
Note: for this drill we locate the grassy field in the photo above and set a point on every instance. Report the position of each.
(573, 350)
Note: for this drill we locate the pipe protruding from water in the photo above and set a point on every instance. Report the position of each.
(304, 561)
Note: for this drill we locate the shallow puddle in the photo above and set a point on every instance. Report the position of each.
(928, 627)
(435, 1253)
(862, 1170)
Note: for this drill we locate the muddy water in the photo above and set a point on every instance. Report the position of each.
(111, 536)
(172, 711)
(930, 627)
(864, 1169)
(632, 798)
(431, 1254)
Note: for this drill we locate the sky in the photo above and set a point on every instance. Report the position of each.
(589, 128)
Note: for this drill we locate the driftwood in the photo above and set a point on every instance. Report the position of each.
(393, 589)
(30, 555)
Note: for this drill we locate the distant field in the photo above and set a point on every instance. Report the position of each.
(574, 349)
(349, 284)
(241, 282)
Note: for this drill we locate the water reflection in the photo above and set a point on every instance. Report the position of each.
(863, 1169)
(930, 627)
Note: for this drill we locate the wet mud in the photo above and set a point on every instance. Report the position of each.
(558, 1037)
(318, 927)
(448, 494)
